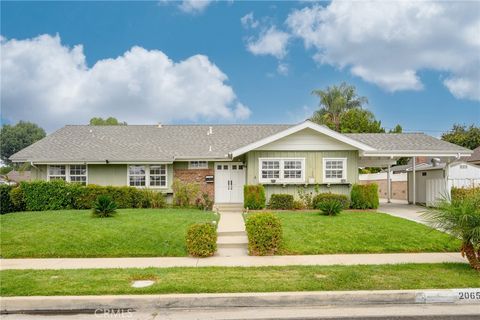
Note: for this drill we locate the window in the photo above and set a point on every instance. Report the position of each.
(334, 170)
(57, 173)
(78, 174)
(198, 165)
(75, 173)
(158, 176)
(282, 170)
(463, 166)
(154, 176)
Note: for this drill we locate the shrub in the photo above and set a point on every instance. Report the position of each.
(49, 195)
(17, 198)
(88, 195)
(201, 240)
(330, 207)
(463, 193)
(6, 204)
(264, 232)
(281, 201)
(104, 207)
(254, 197)
(306, 197)
(320, 198)
(364, 196)
(150, 199)
(184, 193)
(298, 205)
(204, 202)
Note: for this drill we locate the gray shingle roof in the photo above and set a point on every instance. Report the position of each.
(169, 142)
(143, 142)
(405, 142)
(475, 155)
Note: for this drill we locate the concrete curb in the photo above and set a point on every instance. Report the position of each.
(39, 304)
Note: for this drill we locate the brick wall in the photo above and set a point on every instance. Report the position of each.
(399, 188)
(197, 176)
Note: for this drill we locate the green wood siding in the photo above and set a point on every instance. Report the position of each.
(314, 168)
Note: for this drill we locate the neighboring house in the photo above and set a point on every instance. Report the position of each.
(435, 180)
(222, 158)
(398, 183)
(18, 176)
(475, 157)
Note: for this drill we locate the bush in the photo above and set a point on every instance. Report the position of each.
(184, 193)
(6, 204)
(298, 205)
(150, 199)
(331, 207)
(204, 203)
(264, 232)
(201, 240)
(364, 196)
(104, 207)
(463, 193)
(320, 198)
(281, 201)
(18, 199)
(306, 197)
(254, 197)
(49, 195)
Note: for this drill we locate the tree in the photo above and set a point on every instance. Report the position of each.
(15, 138)
(334, 101)
(398, 129)
(110, 121)
(359, 121)
(463, 136)
(460, 218)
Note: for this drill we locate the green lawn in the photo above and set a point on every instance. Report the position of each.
(359, 232)
(237, 279)
(75, 233)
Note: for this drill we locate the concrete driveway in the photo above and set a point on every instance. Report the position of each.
(403, 210)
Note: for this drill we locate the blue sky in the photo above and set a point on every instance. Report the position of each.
(258, 71)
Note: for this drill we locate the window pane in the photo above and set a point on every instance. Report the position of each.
(56, 170)
(137, 181)
(78, 169)
(219, 167)
(136, 170)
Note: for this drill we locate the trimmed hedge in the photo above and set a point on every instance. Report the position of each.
(320, 198)
(281, 202)
(58, 194)
(254, 197)
(364, 196)
(264, 232)
(201, 240)
(6, 204)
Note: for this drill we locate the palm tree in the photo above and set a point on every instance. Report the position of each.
(334, 101)
(460, 218)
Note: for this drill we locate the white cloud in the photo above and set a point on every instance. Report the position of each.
(388, 42)
(270, 42)
(282, 69)
(248, 21)
(194, 6)
(48, 83)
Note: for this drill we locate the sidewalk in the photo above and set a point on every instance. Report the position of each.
(243, 261)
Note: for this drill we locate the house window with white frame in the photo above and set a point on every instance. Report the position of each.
(334, 170)
(198, 165)
(282, 170)
(57, 172)
(75, 173)
(154, 175)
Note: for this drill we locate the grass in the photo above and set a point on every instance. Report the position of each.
(359, 232)
(237, 279)
(75, 233)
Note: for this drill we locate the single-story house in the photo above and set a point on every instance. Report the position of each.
(435, 180)
(222, 158)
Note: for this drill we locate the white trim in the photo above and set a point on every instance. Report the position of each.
(306, 124)
(198, 167)
(67, 171)
(147, 175)
(414, 153)
(281, 169)
(344, 171)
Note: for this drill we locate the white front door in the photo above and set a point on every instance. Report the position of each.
(229, 181)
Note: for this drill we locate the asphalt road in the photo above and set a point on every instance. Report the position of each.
(373, 312)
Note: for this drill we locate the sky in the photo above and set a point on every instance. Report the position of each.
(146, 62)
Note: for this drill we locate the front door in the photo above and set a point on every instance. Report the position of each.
(229, 181)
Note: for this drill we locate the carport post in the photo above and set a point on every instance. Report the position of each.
(389, 185)
(414, 191)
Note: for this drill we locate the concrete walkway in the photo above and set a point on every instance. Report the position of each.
(232, 239)
(241, 261)
(403, 210)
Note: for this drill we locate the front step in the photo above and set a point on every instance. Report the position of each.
(232, 241)
(231, 233)
(228, 207)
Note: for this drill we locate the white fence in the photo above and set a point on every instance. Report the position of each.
(437, 190)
